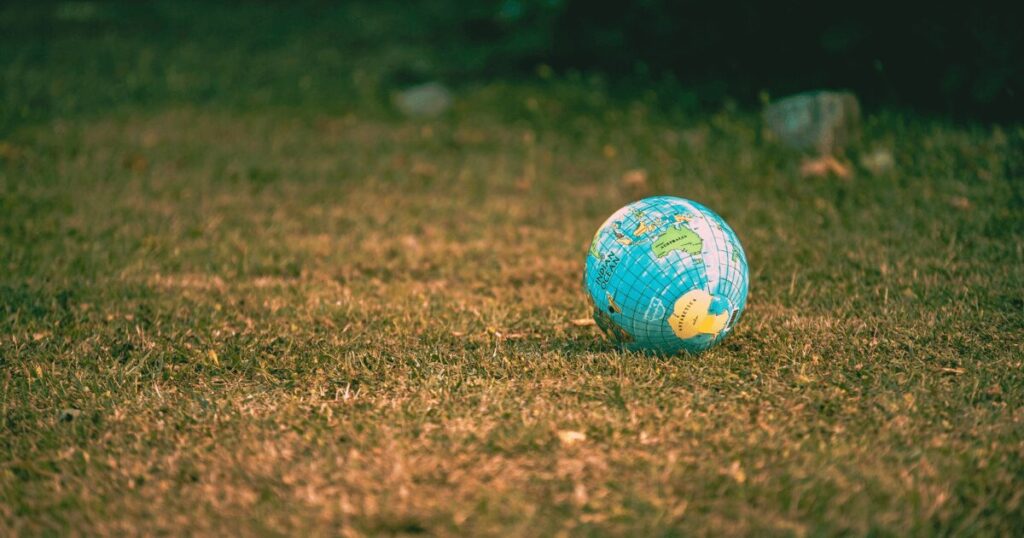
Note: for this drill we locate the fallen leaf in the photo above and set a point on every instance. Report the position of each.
(8, 150)
(583, 322)
(636, 178)
(956, 371)
(135, 162)
(823, 166)
(680, 509)
(570, 437)
(736, 472)
(579, 494)
(696, 138)
(424, 169)
(960, 202)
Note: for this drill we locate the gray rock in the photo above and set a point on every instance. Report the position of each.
(819, 120)
(427, 100)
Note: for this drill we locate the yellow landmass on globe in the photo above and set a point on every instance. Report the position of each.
(643, 228)
(690, 316)
(611, 303)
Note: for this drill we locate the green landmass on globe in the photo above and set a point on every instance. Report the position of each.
(678, 238)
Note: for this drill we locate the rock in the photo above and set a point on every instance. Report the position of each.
(427, 100)
(820, 120)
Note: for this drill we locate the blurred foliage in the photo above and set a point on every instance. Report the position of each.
(60, 58)
(963, 61)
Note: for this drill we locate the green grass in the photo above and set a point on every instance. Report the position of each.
(226, 315)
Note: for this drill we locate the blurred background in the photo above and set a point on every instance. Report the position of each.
(959, 60)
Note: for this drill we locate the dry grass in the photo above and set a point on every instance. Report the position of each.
(254, 324)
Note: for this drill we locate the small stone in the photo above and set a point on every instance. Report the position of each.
(428, 100)
(819, 120)
(878, 161)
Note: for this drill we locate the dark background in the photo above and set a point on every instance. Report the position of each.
(963, 59)
(959, 61)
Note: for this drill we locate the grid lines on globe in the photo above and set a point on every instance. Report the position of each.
(657, 331)
(635, 281)
(650, 327)
(723, 268)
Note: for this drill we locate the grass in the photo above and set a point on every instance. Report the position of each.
(225, 317)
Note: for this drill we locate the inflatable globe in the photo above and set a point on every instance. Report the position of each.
(666, 275)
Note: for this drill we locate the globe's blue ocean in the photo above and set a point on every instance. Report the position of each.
(666, 274)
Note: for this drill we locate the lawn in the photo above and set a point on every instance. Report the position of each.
(240, 296)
